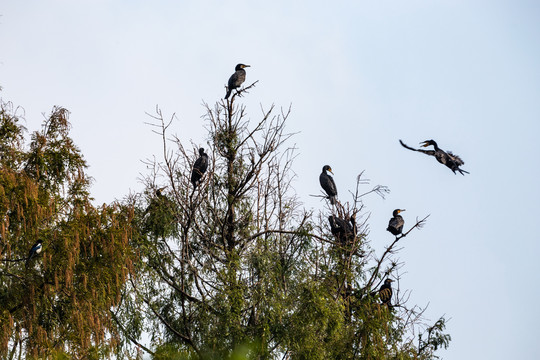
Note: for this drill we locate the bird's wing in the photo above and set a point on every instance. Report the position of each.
(427, 152)
(385, 294)
(396, 222)
(232, 80)
(204, 163)
(198, 163)
(237, 79)
(333, 185)
(456, 159)
(33, 250)
(328, 184)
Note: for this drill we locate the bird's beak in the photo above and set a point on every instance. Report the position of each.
(425, 144)
(247, 66)
(402, 210)
(331, 171)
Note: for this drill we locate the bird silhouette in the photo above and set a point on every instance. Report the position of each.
(395, 225)
(199, 168)
(236, 79)
(452, 161)
(328, 184)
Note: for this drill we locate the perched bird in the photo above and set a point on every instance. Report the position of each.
(395, 225)
(236, 79)
(342, 229)
(156, 201)
(158, 191)
(199, 168)
(35, 250)
(385, 292)
(328, 184)
(453, 162)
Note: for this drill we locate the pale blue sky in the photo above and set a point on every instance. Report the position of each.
(360, 75)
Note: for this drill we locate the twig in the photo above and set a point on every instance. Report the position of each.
(389, 249)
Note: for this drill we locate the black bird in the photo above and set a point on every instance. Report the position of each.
(158, 191)
(236, 79)
(453, 162)
(395, 225)
(35, 250)
(342, 229)
(199, 168)
(328, 184)
(385, 292)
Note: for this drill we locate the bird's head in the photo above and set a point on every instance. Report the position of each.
(201, 151)
(388, 281)
(327, 168)
(397, 211)
(240, 67)
(158, 191)
(428, 142)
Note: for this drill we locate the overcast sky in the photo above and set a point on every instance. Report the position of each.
(359, 75)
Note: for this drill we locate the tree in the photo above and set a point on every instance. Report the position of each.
(57, 302)
(236, 266)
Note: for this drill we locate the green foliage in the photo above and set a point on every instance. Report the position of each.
(433, 339)
(235, 269)
(59, 301)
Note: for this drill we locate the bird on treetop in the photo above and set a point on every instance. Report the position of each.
(328, 184)
(236, 79)
(199, 168)
(395, 225)
(385, 292)
(159, 191)
(342, 229)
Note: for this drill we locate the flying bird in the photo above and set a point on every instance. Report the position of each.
(236, 79)
(328, 184)
(395, 225)
(35, 250)
(199, 168)
(453, 162)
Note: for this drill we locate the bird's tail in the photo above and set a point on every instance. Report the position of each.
(463, 171)
(228, 93)
(333, 200)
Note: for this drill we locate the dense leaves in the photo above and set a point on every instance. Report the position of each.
(59, 301)
(234, 268)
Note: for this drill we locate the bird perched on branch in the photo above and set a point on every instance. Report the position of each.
(199, 168)
(328, 184)
(385, 292)
(236, 79)
(158, 192)
(453, 162)
(34, 251)
(342, 229)
(395, 225)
